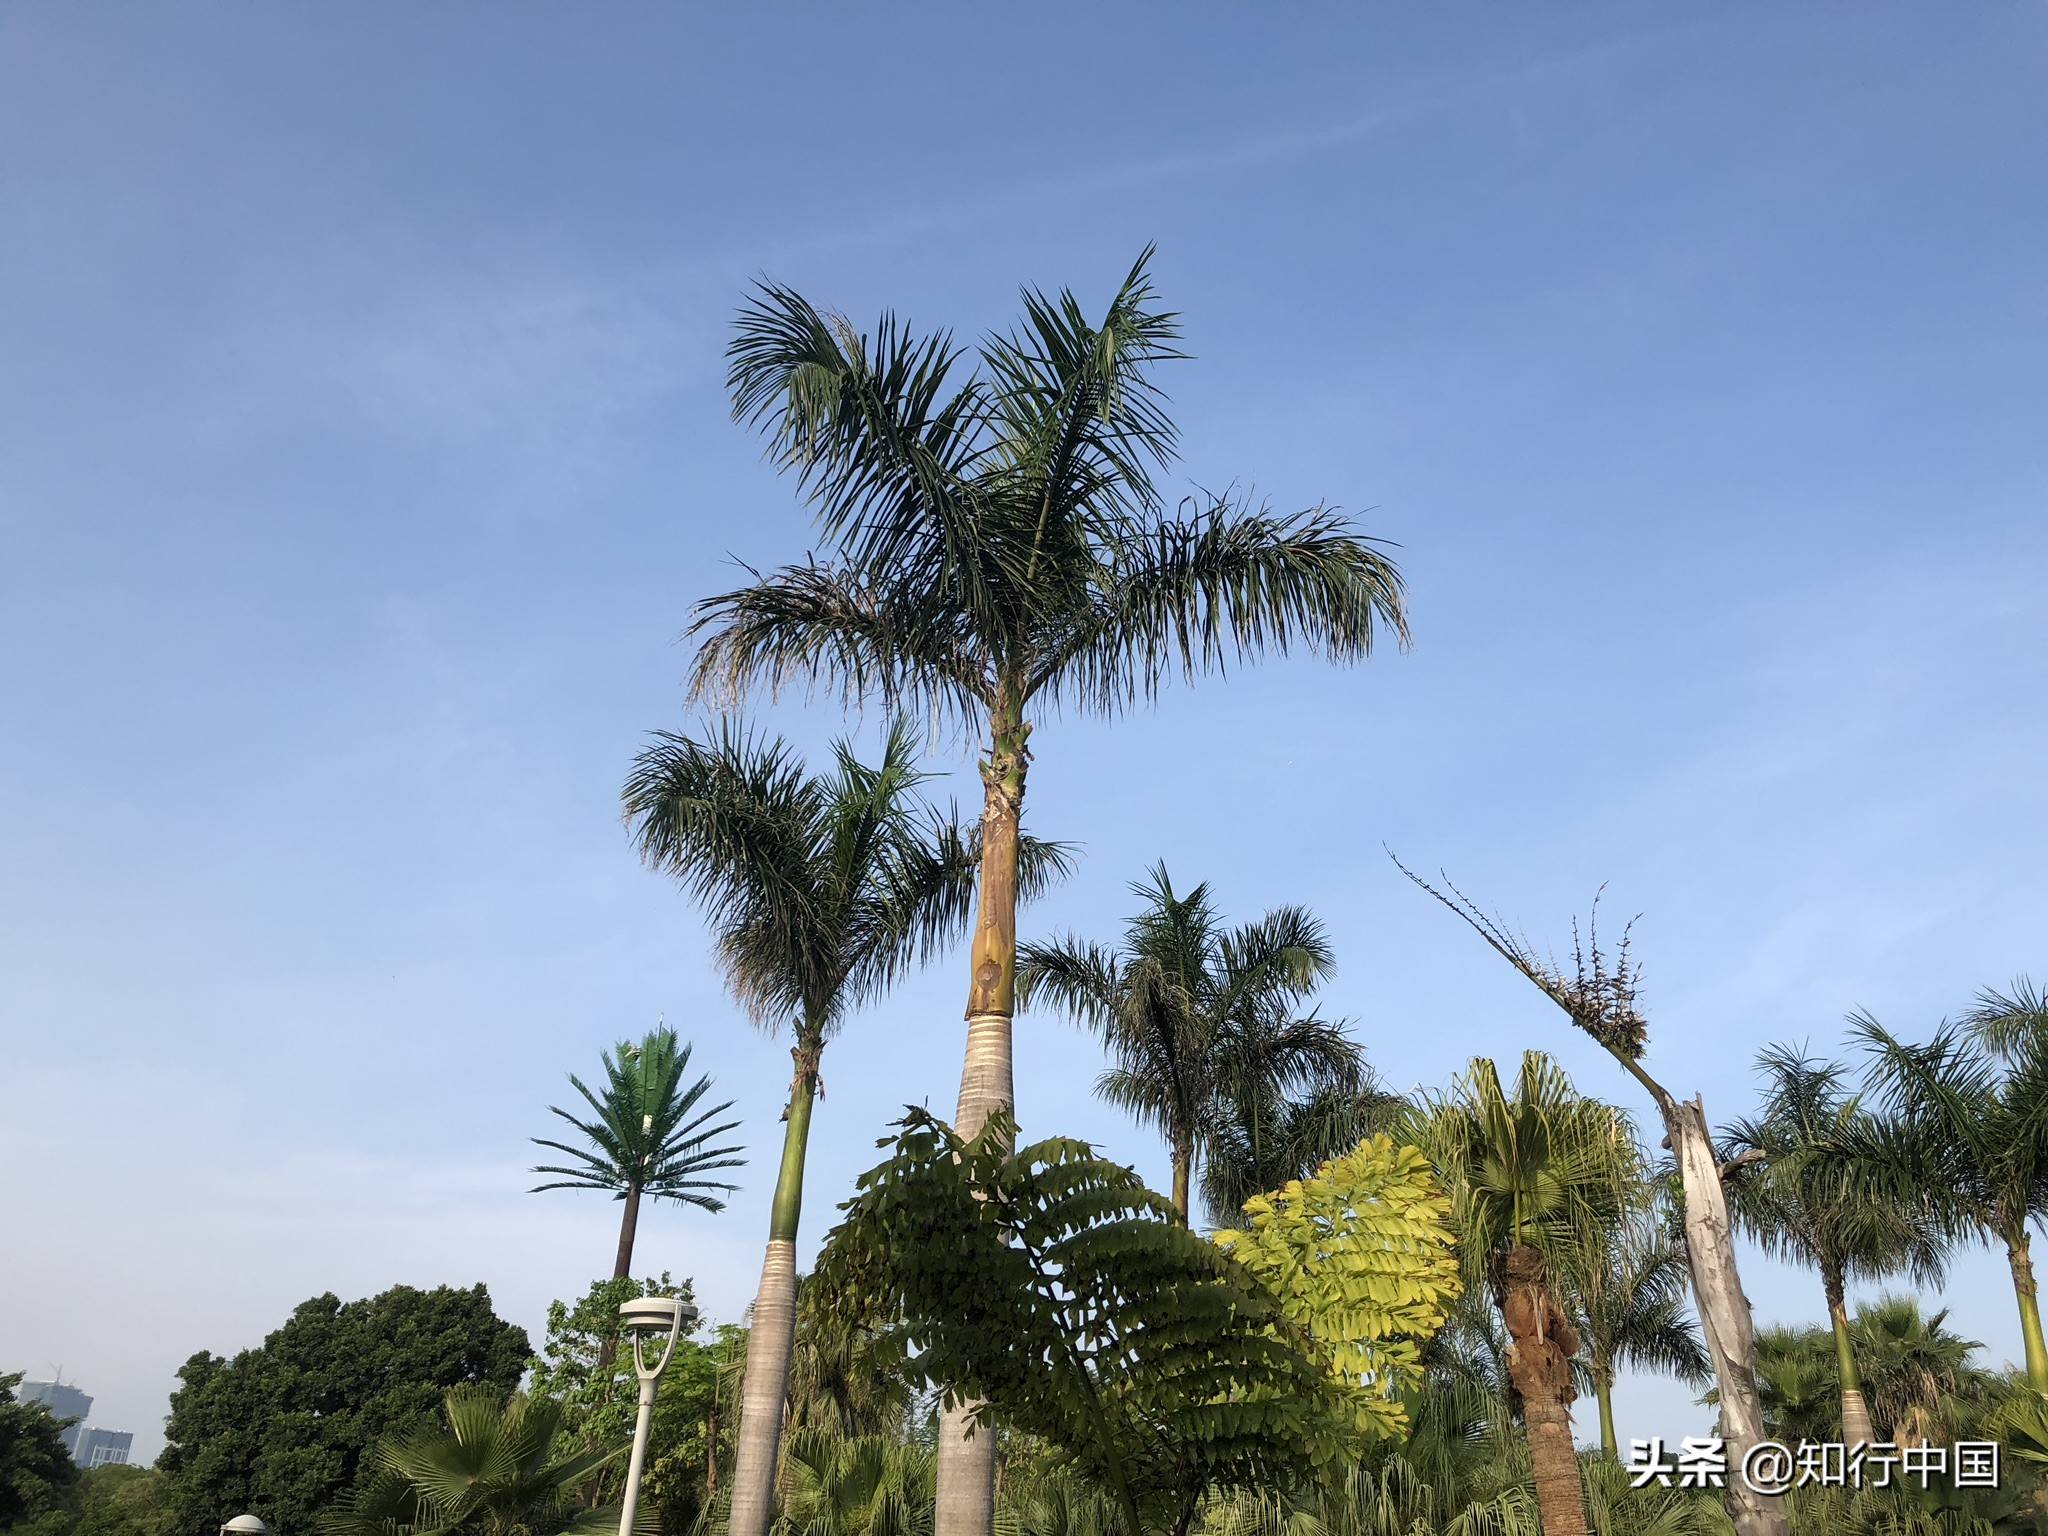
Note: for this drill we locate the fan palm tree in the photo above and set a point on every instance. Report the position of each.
(1831, 1190)
(646, 1137)
(1627, 1284)
(863, 1485)
(1973, 1108)
(1198, 1019)
(822, 889)
(496, 1469)
(998, 545)
(1532, 1174)
(1917, 1368)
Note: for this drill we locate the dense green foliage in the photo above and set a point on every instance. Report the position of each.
(492, 1468)
(586, 1366)
(1056, 1289)
(1361, 1258)
(1207, 1028)
(36, 1472)
(281, 1430)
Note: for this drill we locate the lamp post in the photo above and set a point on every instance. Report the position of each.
(245, 1525)
(645, 1317)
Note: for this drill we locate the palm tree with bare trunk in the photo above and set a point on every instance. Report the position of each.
(822, 889)
(1600, 995)
(1533, 1174)
(1199, 1019)
(996, 546)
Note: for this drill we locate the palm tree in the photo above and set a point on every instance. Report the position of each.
(1199, 1020)
(496, 1469)
(1973, 1105)
(1919, 1370)
(1830, 1190)
(1263, 1141)
(1627, 1285)
(646, 1137)
(1531, 1175)
(998, 545)
(822, 889)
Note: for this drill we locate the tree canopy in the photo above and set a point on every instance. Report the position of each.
(281, 1430)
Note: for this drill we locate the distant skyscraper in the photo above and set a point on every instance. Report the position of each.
(63, 1402)
(104, 1447)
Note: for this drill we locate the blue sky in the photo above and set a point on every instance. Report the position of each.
(363, 449)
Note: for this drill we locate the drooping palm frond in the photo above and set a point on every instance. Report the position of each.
(646, 1131)
(1832, 1185)
(822, 889)
(1630, 1287)
(999, 537)
(1204, 1029)
(1537, 1166)
(495, 1469)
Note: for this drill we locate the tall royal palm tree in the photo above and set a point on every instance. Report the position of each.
(1198, 1019)
(997, 544)
(1829, 1189)
(1973, 1104)
(1627, 1287)
(822, 889)
(646, 1137)
(1532, 1173)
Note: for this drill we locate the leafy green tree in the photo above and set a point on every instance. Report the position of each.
(281, 1430)
(116, 1499)
(1199, 1019)
(997, 545)
(1361, 1258)
(1830, 1189)
(1973, 1105)
(583, 1367)
(1532, 1173)
(37, 1474)
(850, 1372)
(822, 890)
(646, 1136)
(1626, 1286)
(493, 1468)
(1063, 1297)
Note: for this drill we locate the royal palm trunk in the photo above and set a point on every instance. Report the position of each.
(1856, 1427)
(771, 1335)
(964, 1502)
(2019, 1253)
(1540, 1366)
(1603, 1394)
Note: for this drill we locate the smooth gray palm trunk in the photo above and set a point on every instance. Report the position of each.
(771, 1339)
(965, 1502)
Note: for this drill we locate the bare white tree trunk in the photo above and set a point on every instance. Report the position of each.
(771, 1337)
(966, 1493)
(1723, 1308)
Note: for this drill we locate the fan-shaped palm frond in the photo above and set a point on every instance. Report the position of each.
(496, 1469)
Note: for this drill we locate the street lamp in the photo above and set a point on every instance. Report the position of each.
(245, 1525)
(644, 1318)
